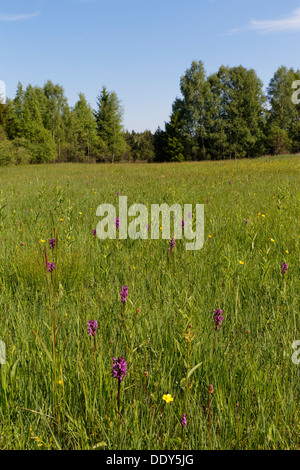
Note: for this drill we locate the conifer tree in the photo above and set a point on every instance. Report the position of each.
(85, 128)
(109, 116)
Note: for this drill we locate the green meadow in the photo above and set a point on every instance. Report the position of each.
(56, 386)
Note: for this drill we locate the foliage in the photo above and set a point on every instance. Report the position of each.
(109, 123)
(284, 115)
(140, 146)
(220, 116)
(224, 115)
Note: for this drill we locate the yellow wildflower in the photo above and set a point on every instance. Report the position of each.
(168, 398)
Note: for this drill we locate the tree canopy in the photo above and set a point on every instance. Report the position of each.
(224, 115)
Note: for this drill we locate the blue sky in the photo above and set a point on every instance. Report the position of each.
(140, 48)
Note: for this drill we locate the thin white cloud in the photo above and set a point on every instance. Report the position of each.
(18, 17)
(290, 23)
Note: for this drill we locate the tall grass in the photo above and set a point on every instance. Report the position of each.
(56, 393)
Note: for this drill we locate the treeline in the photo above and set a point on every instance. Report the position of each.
(221, 116)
